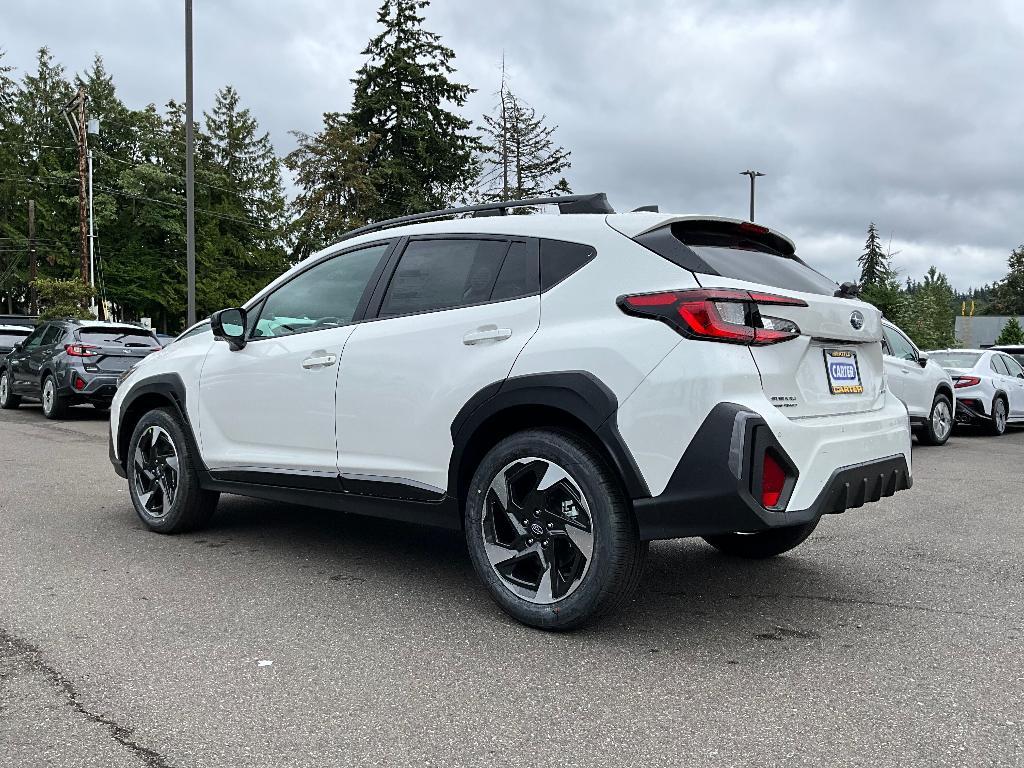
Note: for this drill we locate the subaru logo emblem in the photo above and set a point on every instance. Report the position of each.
(536, 529)
(857, 319)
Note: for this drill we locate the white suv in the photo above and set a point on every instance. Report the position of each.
(563, 389)
(923, 385)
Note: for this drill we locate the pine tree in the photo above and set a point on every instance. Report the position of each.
(331, 169)
(520, 159)
(929, 315)
(1012, 333)
(874, 263)
(422, 157)
(1009, 293)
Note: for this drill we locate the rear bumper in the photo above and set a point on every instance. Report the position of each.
(971, 411)
(714, 487)
(99, 387)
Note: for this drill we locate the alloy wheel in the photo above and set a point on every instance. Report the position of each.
(4, 387)
(942, 420)
(49, 395)
(156, 471)
(1000, 415)
(537, 530)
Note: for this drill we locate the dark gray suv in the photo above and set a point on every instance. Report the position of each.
(68, 362)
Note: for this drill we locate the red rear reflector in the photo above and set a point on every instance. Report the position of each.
(79, 383)
(773, 481)
(80, 350)
(966, 381)
(713, 314)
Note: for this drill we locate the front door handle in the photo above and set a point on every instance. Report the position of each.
(319, 359)
(487, 333)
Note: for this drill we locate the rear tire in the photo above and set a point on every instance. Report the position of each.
(54, 406)
(757, 546)
(997, 426)
(940, 422)
(8, 399)
(550, 531)
(162, 477)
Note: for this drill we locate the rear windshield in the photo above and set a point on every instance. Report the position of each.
(10, 338)
(126, 337)
(757, 266)
(955, 359)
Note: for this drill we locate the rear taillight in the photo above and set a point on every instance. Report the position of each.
(773, 481)
(80, 350)
(716, 314)
(966, 381)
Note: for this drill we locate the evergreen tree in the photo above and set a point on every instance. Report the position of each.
(1009, 293)
(929, 316)
(422, 157)
(1012, 333)
(520, 159)
(874, 263)
(331, 170)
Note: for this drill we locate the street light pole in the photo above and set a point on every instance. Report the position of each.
(190, 191)
(752, 175)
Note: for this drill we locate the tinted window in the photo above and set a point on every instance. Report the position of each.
(765, 268)
(125, 337)
(514, 279)
(52, 335)
(35, 337)
(443, 274)
(324, 296)
(558, 260)
(1013, 366)
(1019, 357)
(899, 345)
(997, 365)
(956, 359)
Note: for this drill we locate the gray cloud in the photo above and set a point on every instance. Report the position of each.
(900, 112)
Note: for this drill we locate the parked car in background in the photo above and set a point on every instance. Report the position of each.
(11, 335)
(923, 385)
(67, 362)
(1016, 351)
(989, 386)
(688, 376)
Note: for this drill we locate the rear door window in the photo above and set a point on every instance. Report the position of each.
(52, 335)
(997, 365)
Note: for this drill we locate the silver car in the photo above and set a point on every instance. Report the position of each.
(989, 387)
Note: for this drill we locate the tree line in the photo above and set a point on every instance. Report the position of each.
(401, 147)
(926, 309)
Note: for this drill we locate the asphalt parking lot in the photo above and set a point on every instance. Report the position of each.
(287, 636)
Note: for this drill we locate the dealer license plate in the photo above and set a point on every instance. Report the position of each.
(842, 371)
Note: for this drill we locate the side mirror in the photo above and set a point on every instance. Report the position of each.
(922, 359)
(229, 324)
(17, 347)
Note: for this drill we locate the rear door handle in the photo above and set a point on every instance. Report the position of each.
(487, 333)
(320, 359)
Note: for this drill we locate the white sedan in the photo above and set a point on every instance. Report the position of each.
(989, 387)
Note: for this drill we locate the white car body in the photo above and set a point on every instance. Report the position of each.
(378, 414)
(913, 377)
(981, 376)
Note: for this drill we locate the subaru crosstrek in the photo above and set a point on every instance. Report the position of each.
(563, 389)
(70, 362)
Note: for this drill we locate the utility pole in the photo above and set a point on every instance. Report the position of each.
(190, 190)
(97, 306)
(32, 268)
(752, 175)
(83, 229)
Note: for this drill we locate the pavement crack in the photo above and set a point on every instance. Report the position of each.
(16, 647)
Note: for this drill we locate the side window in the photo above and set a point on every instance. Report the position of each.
(53, 333)
(1013, 367)
(900, 345)
(444, 274)
(997, 365)
(515, 278)
(324, 296)
(558, 260)
(35, 338)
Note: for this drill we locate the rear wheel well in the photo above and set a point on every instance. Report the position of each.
(515, 419)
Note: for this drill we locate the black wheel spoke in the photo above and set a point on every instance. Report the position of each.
(156, 471)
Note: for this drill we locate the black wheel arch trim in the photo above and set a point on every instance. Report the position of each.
(579, 394)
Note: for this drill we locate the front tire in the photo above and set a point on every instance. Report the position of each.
(997, 426)
(550, 531)
(763, 544)
(162, 477)
(940, 422)
(54, 406)
(8, 399)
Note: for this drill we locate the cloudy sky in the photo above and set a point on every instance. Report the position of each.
(902, 112)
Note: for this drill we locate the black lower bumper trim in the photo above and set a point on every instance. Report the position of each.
(710, 490)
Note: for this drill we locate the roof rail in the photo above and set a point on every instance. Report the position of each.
(593, 203)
